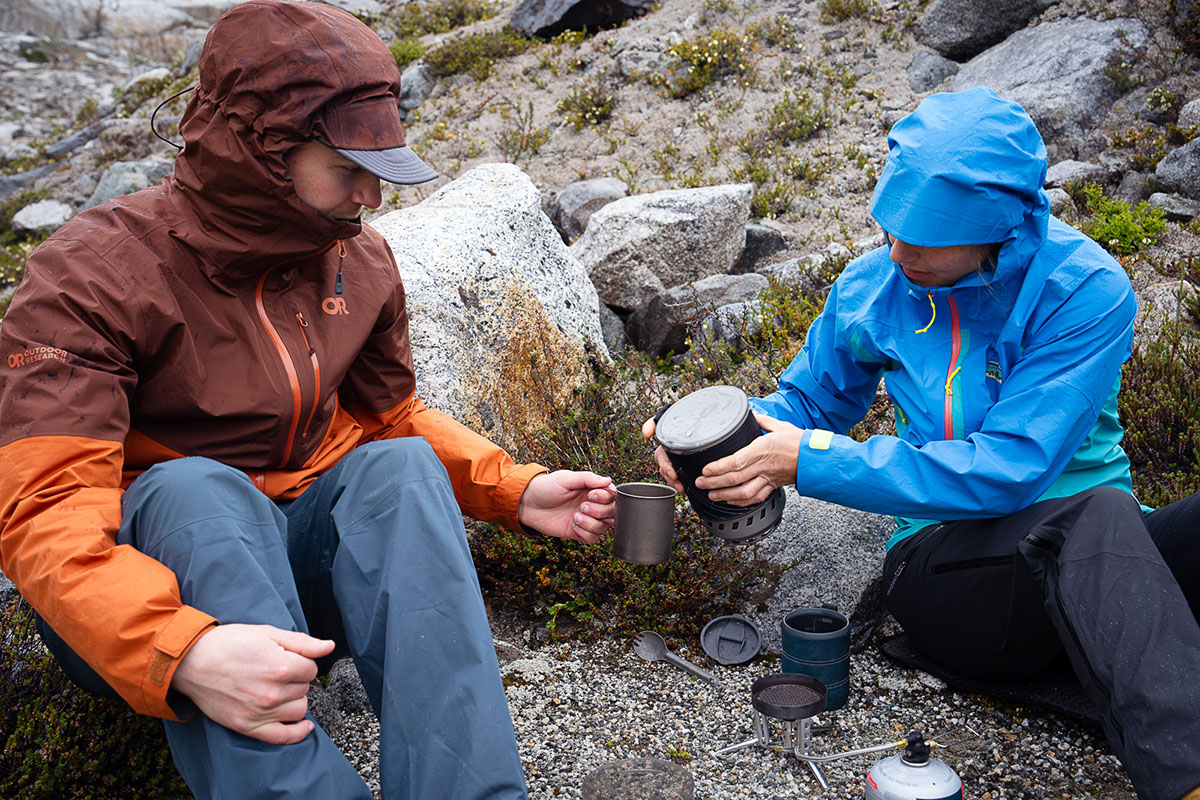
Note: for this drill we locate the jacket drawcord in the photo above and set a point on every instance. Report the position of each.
(337, 282)
(950, 380)
(931, 319)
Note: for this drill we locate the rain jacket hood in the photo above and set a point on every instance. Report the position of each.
(1004, 385)
(274, 75)
(962, 169)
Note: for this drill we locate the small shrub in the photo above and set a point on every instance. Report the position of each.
(773, 200)
(1161, 99)
(778, 31)
(708, 58)
(797, 116)
(583, 590)
(568, 38)
(1160, 409)
(521, 136)
(35, 52)
(1122, 72)
(440, 16)
(833, 11)
(589, 105)
(57, 741)
(406, 51)
(476, 54)
(1115, 225)
(1147, 147)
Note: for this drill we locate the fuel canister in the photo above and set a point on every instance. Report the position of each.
(913, 776)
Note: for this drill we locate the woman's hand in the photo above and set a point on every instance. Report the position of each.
(569, 505)
(750, 475)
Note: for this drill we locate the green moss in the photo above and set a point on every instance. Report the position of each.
(57, 741)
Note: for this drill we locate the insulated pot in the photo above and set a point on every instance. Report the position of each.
(704, 426)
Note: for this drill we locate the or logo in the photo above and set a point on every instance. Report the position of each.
(993, 371)
(36, 354)
(334, 306)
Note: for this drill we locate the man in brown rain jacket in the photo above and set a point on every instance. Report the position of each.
(214, 470)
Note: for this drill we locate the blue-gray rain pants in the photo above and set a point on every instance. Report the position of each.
(373, 555)
(1088, 575)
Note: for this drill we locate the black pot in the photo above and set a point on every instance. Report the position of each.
(705, 426)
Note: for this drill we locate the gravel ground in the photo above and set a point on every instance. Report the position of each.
(576, 707)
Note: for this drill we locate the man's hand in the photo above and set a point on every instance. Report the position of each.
(750, 475)
(253, 679)
(569, 505)
(660, 457)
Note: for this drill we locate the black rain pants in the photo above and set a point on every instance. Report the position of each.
(1092, 576)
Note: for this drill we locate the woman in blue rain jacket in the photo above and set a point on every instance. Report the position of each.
(999, 333)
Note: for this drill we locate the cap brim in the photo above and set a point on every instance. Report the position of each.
(396, 165)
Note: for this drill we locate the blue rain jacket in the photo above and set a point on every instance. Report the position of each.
(1004, 384)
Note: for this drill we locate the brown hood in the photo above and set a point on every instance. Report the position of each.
(273, 75)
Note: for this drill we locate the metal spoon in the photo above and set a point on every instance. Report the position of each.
(652, 647)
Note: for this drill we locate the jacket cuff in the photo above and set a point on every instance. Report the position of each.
(171, 645)
(509, 490)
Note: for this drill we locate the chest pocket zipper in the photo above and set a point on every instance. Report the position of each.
(316, 365)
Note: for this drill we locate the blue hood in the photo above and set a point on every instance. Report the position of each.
(966, 168)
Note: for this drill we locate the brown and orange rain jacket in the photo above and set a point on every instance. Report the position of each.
(214, 314)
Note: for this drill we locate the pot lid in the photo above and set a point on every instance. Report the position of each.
(731, 640)
(702, 419)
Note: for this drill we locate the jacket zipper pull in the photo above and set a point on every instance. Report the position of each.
(337, 282)
(304, 324)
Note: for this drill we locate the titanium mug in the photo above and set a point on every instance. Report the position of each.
(645, 526)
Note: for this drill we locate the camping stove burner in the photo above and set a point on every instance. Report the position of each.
(783, 704)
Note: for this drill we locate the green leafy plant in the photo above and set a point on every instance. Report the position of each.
(405, 51)
(1122, 72)
(476, 54)
(796, 116)
(777, 31)
(587, 106)
(1160, 409)
(412, 20)
(1118, 227)
(584, 591)
(521, 137)
(833, 11)
(708, 58)
(58, 741)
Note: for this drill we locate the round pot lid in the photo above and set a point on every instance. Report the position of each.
(701, 419)
(731, 640)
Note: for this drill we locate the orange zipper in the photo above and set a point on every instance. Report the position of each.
(316, 365)
(289, 365)
(952, 370)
